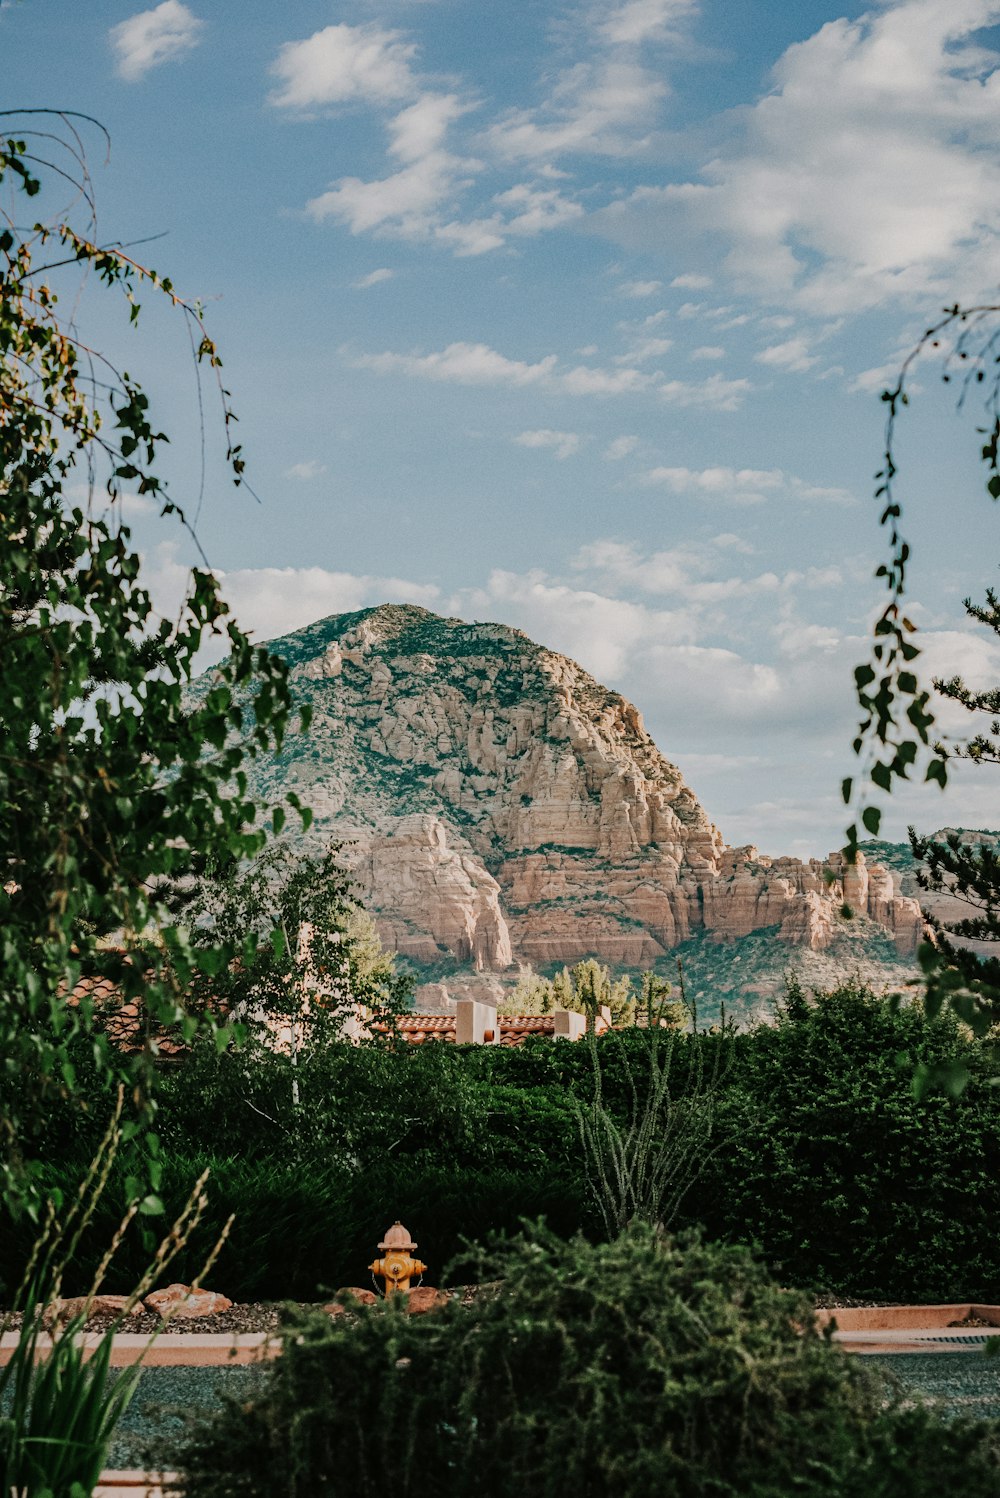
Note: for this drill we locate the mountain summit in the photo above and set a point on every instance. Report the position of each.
(503, 808)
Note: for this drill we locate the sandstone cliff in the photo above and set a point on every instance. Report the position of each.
(502, 807)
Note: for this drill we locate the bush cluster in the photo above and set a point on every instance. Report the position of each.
(647, 1365)
(821, 1153)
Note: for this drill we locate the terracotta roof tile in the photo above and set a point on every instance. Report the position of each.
(123, 1023)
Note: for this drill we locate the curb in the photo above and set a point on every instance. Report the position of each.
(170, 1350)
(131, 1483)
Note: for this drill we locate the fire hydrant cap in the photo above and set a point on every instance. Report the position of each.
(397, 1237)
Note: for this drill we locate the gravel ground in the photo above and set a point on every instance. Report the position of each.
(958, 1384)
(253, 1317)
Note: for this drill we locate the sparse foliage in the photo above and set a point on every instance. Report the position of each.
(310, 961)
(640, 1165)
(895, 734)
(588, 988)
(897, 715)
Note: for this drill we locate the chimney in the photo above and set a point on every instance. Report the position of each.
(473, 1020)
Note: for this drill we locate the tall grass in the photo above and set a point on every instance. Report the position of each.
(59, 1407)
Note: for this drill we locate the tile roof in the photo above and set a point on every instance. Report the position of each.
(123, 1023)
(416, 1028)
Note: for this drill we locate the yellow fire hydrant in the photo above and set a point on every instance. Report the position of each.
(397, 1266)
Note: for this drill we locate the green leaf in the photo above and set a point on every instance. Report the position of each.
(872, 818)
(211, 960)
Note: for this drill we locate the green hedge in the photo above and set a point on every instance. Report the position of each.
(844, 1177)
(821, 1153)
(303, 1230)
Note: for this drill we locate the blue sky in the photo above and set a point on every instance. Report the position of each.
(573, 316)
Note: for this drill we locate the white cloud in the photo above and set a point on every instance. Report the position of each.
(973, 654)
(603, 106)
(462, 364)
(743, 486)
(418, 131)
(373, 278)
(689, 574)
(792, 355)
(410, 201)
(132, 505)
(472, 238)
(342, 64)
(534, 209)
(563, 444)
(418, 201)
(868, 173)
(708, 351)
(601, 632)
(692, 282)
(153, 37)
(586, 380)
(730, 541)
(271, 601)
(620, 448)
(310, 469)
(644, 349)
(715, 393)
(640, 289)
(638, 21)
(739, 485)
(478, 364)
(607, 102)
(882, 377)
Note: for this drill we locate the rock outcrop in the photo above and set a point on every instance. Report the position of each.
(499, 806)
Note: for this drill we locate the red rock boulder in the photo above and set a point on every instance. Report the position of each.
(182, 1301)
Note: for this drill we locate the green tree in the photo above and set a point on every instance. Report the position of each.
(111, 784)
(310, 965)
(588, 988)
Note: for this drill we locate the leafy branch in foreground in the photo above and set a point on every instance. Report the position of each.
(112, 786)
(895, 733)
(896, 711)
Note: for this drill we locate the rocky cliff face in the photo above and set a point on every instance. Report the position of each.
(501, 807)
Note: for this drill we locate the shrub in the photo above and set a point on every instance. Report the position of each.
(643, 1366)
(845, 1178)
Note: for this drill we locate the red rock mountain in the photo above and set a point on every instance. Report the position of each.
(504, 808)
